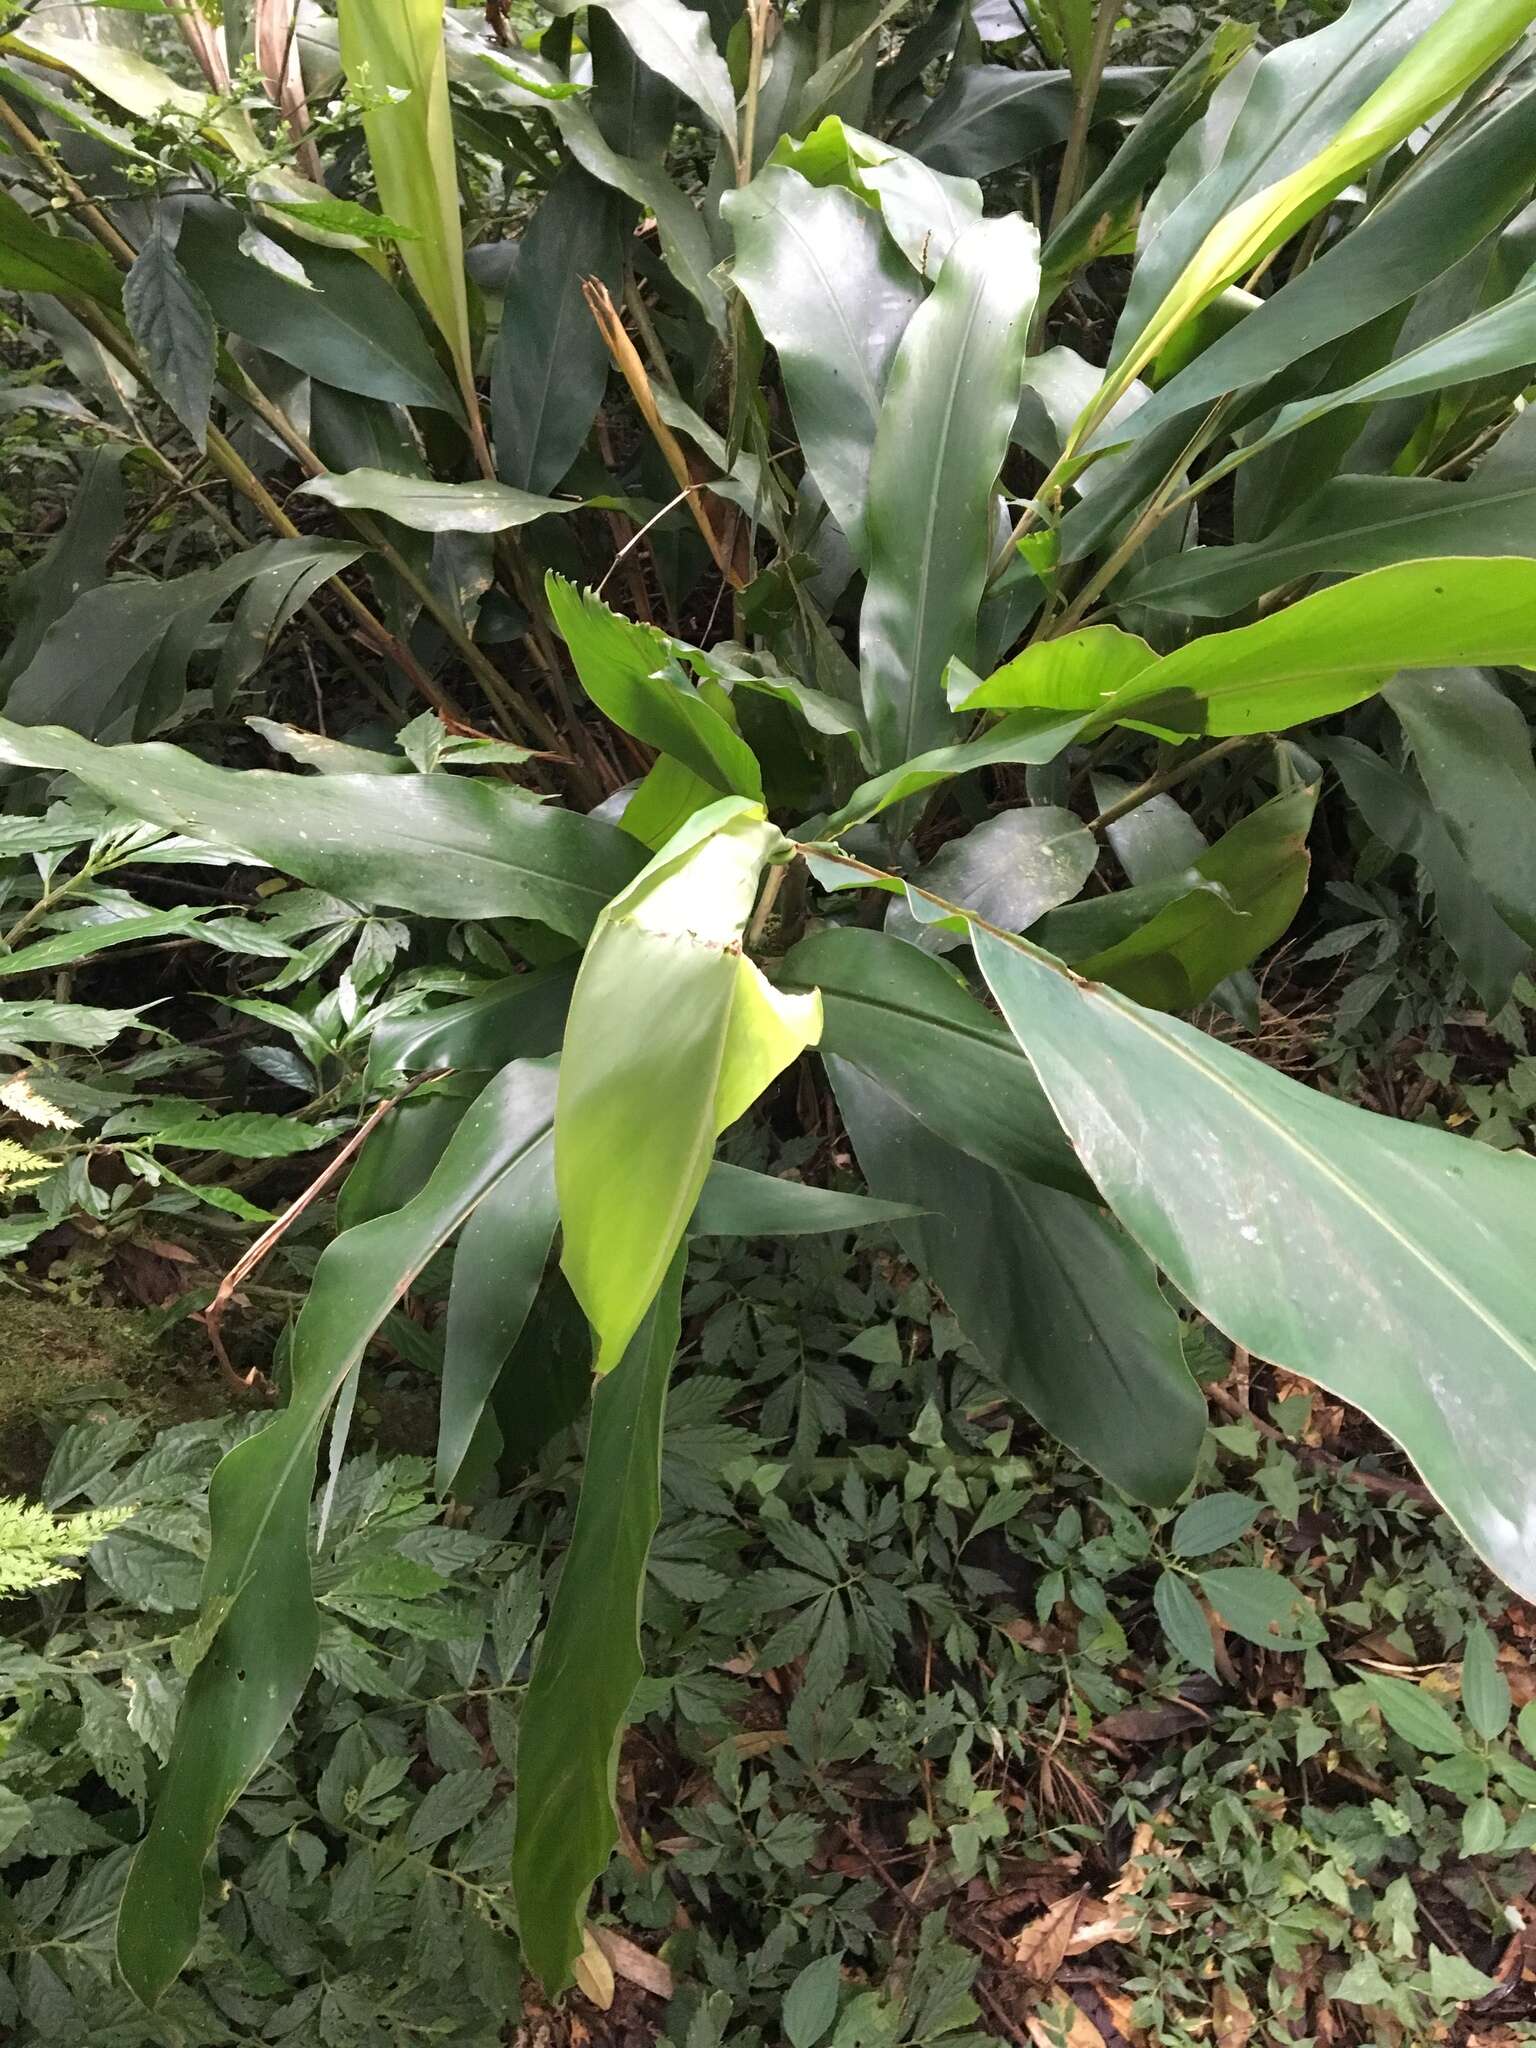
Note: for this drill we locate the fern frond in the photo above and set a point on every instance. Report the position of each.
(33, 1542)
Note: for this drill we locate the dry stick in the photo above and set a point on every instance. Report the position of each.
(1312, 1454)
(627, 360)
(757, 19)
(255, 1252)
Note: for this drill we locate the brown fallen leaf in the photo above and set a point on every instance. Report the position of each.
(1148, 1724)
(1234, 2018)
(1120, 2005)
(1064, 2027)
(1071, 1927)
(636, 1965)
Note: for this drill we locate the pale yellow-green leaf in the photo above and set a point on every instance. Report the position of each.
(131, 82)
(393, 50)
(673, 1034)
(1467, 38)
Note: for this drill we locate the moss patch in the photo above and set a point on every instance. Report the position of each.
(59, 1359)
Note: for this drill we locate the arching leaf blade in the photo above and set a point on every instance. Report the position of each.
(1381, 1259)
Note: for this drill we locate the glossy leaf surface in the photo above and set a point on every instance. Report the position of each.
(1378, 1258)
(258, 1612)
(673, 1034)
(1064, 1310)
(949, 405)
(833, 295)
(435, 844)
(589, 1661)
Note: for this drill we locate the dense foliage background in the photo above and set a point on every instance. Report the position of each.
(943, 1738)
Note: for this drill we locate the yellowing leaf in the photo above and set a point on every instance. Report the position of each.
(673, 1034)
(1444, 61)
(393, 50)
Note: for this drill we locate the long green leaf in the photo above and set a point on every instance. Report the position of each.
(1254, 877)
(1010, 869)
(393, 50)
(496, 1273)
(258, 1612)
(91, 669)
(74, 562)
(1353, 523)
(271, 599)
(673, 1034)
(632, 674)
(1064, 1310)
(989, 117)
(589, 1661)
(925, 211)
(910, 1024)
(428, 506)
(352, 330)
(551, 367)
(1103, 208)
(34, 260)
(521, 1016)
(1075, 672)
(833, 295)
(1157, 843)
(439, 845)
(684, 238)
(1386, 1261)
(1258, 197)
(1487, 343)
(738, 1203)
(1027, 738)
(944, 426)
(675, 42)
(1473, 749)
(1336, 648)
(1298, 97)
(1438, 211)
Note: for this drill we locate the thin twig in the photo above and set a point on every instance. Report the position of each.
(1312, 1454)
(626, 359)
(275, 1231)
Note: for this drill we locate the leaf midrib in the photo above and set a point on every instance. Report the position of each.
(1141, 1021)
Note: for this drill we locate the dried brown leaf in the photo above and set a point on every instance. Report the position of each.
(1064, 2027)
(636, 1965)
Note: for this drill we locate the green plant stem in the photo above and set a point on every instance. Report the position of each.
(1070, 183)
(826, 22)
(523, 718)
(1169, 778)
(1157, 508)
(757, 23)
(82, 206)
(310, 611)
